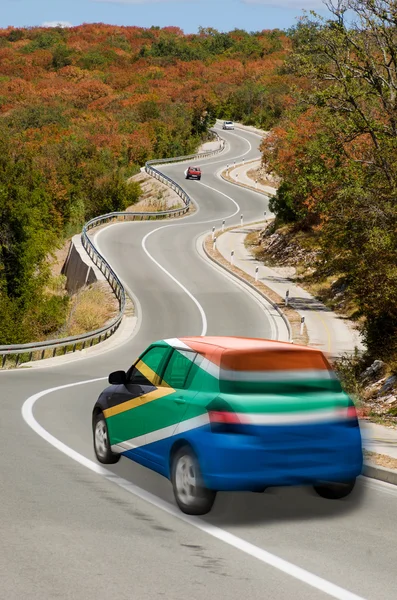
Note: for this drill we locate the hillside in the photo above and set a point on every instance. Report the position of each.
(81, 109)
(335, 150)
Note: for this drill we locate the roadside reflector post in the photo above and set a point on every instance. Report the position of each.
(242, 220)
(256, 273)
(264, 214)
(232, 257)
(287, 298)
(223, 225)
(214, 243)
(302, 324)
(227, 169)
(213, 232)
(256, 183)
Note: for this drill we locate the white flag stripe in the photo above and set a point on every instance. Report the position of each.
(299, 417)
(287, 375)
(162, 434)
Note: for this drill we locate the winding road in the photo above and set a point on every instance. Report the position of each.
(71, 529)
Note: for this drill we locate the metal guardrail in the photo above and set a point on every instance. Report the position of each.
(37, 350)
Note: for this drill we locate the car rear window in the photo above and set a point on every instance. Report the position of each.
(276, 371)
(195, 169)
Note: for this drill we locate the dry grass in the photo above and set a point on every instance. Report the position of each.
(256, 174)
(244, 185)
(58, 260)
(292, 316)
(91, 308)
(156, 196)
(381, 460)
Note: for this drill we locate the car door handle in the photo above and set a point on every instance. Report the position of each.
(180, 400)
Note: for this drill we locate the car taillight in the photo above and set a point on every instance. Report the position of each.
(224, 422)
(223, 417)
(351, 416)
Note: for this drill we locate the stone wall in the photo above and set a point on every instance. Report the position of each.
(78, 268)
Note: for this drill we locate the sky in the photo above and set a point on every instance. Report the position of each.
(189, 15)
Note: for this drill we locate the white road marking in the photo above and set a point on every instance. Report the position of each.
(267, 558)
(193, 298)
(196, 302)
(175, 280)
(272, 315)
(226, 196)
(208, 160)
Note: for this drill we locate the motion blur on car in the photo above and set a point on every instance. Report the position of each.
(193, 173)
(231, 414)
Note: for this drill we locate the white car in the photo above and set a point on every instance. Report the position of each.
(228, 125)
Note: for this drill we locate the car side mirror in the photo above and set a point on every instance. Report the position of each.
(117, 378)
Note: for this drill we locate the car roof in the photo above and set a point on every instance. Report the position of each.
(247, 354)
(244, 343)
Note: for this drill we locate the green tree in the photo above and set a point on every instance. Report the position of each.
(351, 66)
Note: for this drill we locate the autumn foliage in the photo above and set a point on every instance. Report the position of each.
(335, 149)
(83, 108)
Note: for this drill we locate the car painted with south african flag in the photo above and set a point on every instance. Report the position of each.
(228, 413)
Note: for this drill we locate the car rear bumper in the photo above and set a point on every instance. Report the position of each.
(246, 462)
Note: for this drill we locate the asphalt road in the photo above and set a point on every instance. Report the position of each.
(73, 530)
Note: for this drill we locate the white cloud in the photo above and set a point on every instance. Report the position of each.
(56, 24)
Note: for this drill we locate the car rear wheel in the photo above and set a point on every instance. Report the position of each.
(335, 491)
(192, 497)
(101, 442)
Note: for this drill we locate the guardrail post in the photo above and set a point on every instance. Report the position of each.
(54, 352)
(3, 362)
(17, 360)
(302, 325)
(42, 354)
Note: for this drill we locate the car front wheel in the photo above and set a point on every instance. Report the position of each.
(101, 442)
(335, 491)
(192, 497)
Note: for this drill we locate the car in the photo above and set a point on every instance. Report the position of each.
(193, 173)
(231, 414)
(228, 125)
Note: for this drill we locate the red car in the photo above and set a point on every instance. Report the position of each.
(193, 173)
